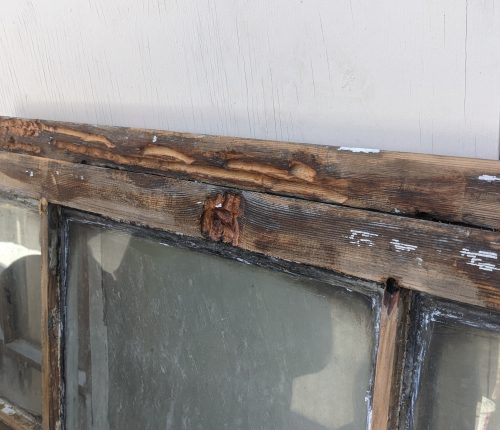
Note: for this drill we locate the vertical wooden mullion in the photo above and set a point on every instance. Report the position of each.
(390, 357)
(51, 316)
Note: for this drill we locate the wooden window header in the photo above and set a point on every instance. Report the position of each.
(449, 189)
(69, 165)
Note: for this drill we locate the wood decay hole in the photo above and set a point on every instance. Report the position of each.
(219, 220)
(391, 294)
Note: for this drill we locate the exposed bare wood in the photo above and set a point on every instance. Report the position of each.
(459, 263)
(17, 419)
(51, 317)
(444, 188)
(220, 218)
(388, 370)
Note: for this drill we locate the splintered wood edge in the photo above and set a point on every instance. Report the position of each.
(455, 262)
(454, 189)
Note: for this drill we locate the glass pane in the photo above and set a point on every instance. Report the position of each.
(164, 337)
(460, 382)
(20, 312)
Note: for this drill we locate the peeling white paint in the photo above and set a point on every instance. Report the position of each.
(57, 172)
(155, 138)
(218, 205)
(363, 150)
(30, 172)
(397, 211)
(419, 261)
(477, 259)
(398, 246)
(8, 410)
(359, 237)
(489, 178)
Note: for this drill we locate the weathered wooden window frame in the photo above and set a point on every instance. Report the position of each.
(411, 223)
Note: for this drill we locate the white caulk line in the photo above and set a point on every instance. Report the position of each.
(364, 150)
(489, 178)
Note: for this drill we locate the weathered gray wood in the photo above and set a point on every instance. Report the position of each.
(51, 316)
(459, 263)
(444, 188)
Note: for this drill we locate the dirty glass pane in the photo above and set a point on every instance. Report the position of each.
(20, 312)
(164, 337)
(460, 379)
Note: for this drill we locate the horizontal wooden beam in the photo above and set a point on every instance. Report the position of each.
(455, 262)
(458, 190)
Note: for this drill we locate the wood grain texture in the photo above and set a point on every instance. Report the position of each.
(451, 189)
(388, 370)
(51, 317)
(456, 262)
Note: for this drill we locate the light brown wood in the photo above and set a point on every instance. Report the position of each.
(452, 189)
(51, 321)
(388, 369)
(455, 262)
(16, 419)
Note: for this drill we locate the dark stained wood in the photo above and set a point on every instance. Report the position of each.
(15, 418)
(390, 353)
(453, 189)
(51, 317)
(455, 262)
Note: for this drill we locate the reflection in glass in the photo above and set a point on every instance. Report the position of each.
(460, 380)
(164, 337)
(20, 312)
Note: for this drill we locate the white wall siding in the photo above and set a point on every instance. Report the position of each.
(420, 76)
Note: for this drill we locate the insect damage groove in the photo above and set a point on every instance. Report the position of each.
(27, 128)
(219, 220)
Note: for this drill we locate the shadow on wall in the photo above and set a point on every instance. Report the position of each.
(272, 125)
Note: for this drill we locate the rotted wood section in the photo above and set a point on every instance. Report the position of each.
(51, 317)
(455, 262)
(453, 189)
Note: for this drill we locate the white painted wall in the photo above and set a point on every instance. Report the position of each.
(404, 75)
